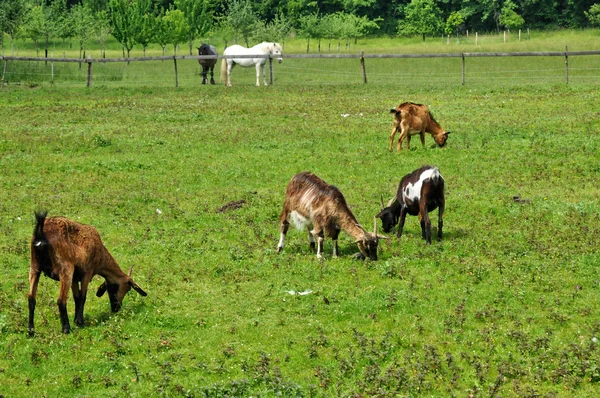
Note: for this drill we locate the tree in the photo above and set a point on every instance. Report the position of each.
(143, 31)
(83, 25)
(102, 30)
(177, 26)
(14, 15)
(360, 26)
(454, 22)
(198, 17)
(35, 26)
(310, 29)
(422, 17)
(593, 14)
(122, 16)
(509, 18)
(281, 27)
(162, 31)
(242, 19)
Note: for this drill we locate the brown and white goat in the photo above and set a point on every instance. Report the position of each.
(411, 119)
(73, 253)
(419, 193)
(312, 203)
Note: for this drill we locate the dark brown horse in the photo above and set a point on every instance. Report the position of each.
(207, 64)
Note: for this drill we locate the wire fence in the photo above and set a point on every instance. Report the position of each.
(446, 69)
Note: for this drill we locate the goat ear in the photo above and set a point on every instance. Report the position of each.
(393, 110)
(447, 132)
(382, 237)
(379, 214)
(137, 288)
(101, 290)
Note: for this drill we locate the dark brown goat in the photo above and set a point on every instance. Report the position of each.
(73, 253)
(411, 119)
(419, 193)
(312, 203)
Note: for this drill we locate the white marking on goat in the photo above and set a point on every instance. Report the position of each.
(38, 243)
(299, 220)
(413, 192)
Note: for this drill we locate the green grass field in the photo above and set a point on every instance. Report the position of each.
(506, 305)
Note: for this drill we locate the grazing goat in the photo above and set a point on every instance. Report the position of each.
(411, 119)
(70, 252)
(419, 193)
(312, 203)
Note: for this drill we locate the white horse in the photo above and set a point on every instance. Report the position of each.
(227, 64)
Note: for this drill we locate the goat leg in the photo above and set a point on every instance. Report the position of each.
(401, 223)
(34, 278)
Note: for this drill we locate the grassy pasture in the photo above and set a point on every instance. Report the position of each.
(505, 305)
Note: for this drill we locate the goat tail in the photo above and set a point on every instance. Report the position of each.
(436, 176)
(40, 242)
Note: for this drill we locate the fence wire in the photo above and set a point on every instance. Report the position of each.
(318, 70)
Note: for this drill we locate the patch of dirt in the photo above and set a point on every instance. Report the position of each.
(230, 206)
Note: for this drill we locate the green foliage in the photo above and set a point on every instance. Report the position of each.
(124, 22)
(177, 26)
(82, 21)
(311, 28)
(144, 31)
(593, 15)
(198, 18)
(509, 18)
(454, 22)
(13, 15)
(421, 17)
(242, 19)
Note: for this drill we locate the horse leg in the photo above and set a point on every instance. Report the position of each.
(258, 74)
(229, 68)
(264, 76)
(204, 69)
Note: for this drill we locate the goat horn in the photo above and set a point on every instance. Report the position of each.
(382, 206)
(375, 226)
(130, 271)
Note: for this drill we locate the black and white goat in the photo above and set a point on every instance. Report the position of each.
(419, 193)
(321, 208)
(73, 253)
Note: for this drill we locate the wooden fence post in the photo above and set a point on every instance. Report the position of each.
(89, 74)
(462, 55)
(52, 68)
(176, 76)
(566, 65)
(271, 69)
(362, 66)
(3, 74)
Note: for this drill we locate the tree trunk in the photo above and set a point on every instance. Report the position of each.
(423, 36)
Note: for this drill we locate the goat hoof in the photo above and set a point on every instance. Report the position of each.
(66, 330)
(31, 332)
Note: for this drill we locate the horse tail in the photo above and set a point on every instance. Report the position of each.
(224, 70)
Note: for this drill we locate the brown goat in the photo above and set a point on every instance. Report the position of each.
(73, 253)
(312, 203)
(411, 119)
